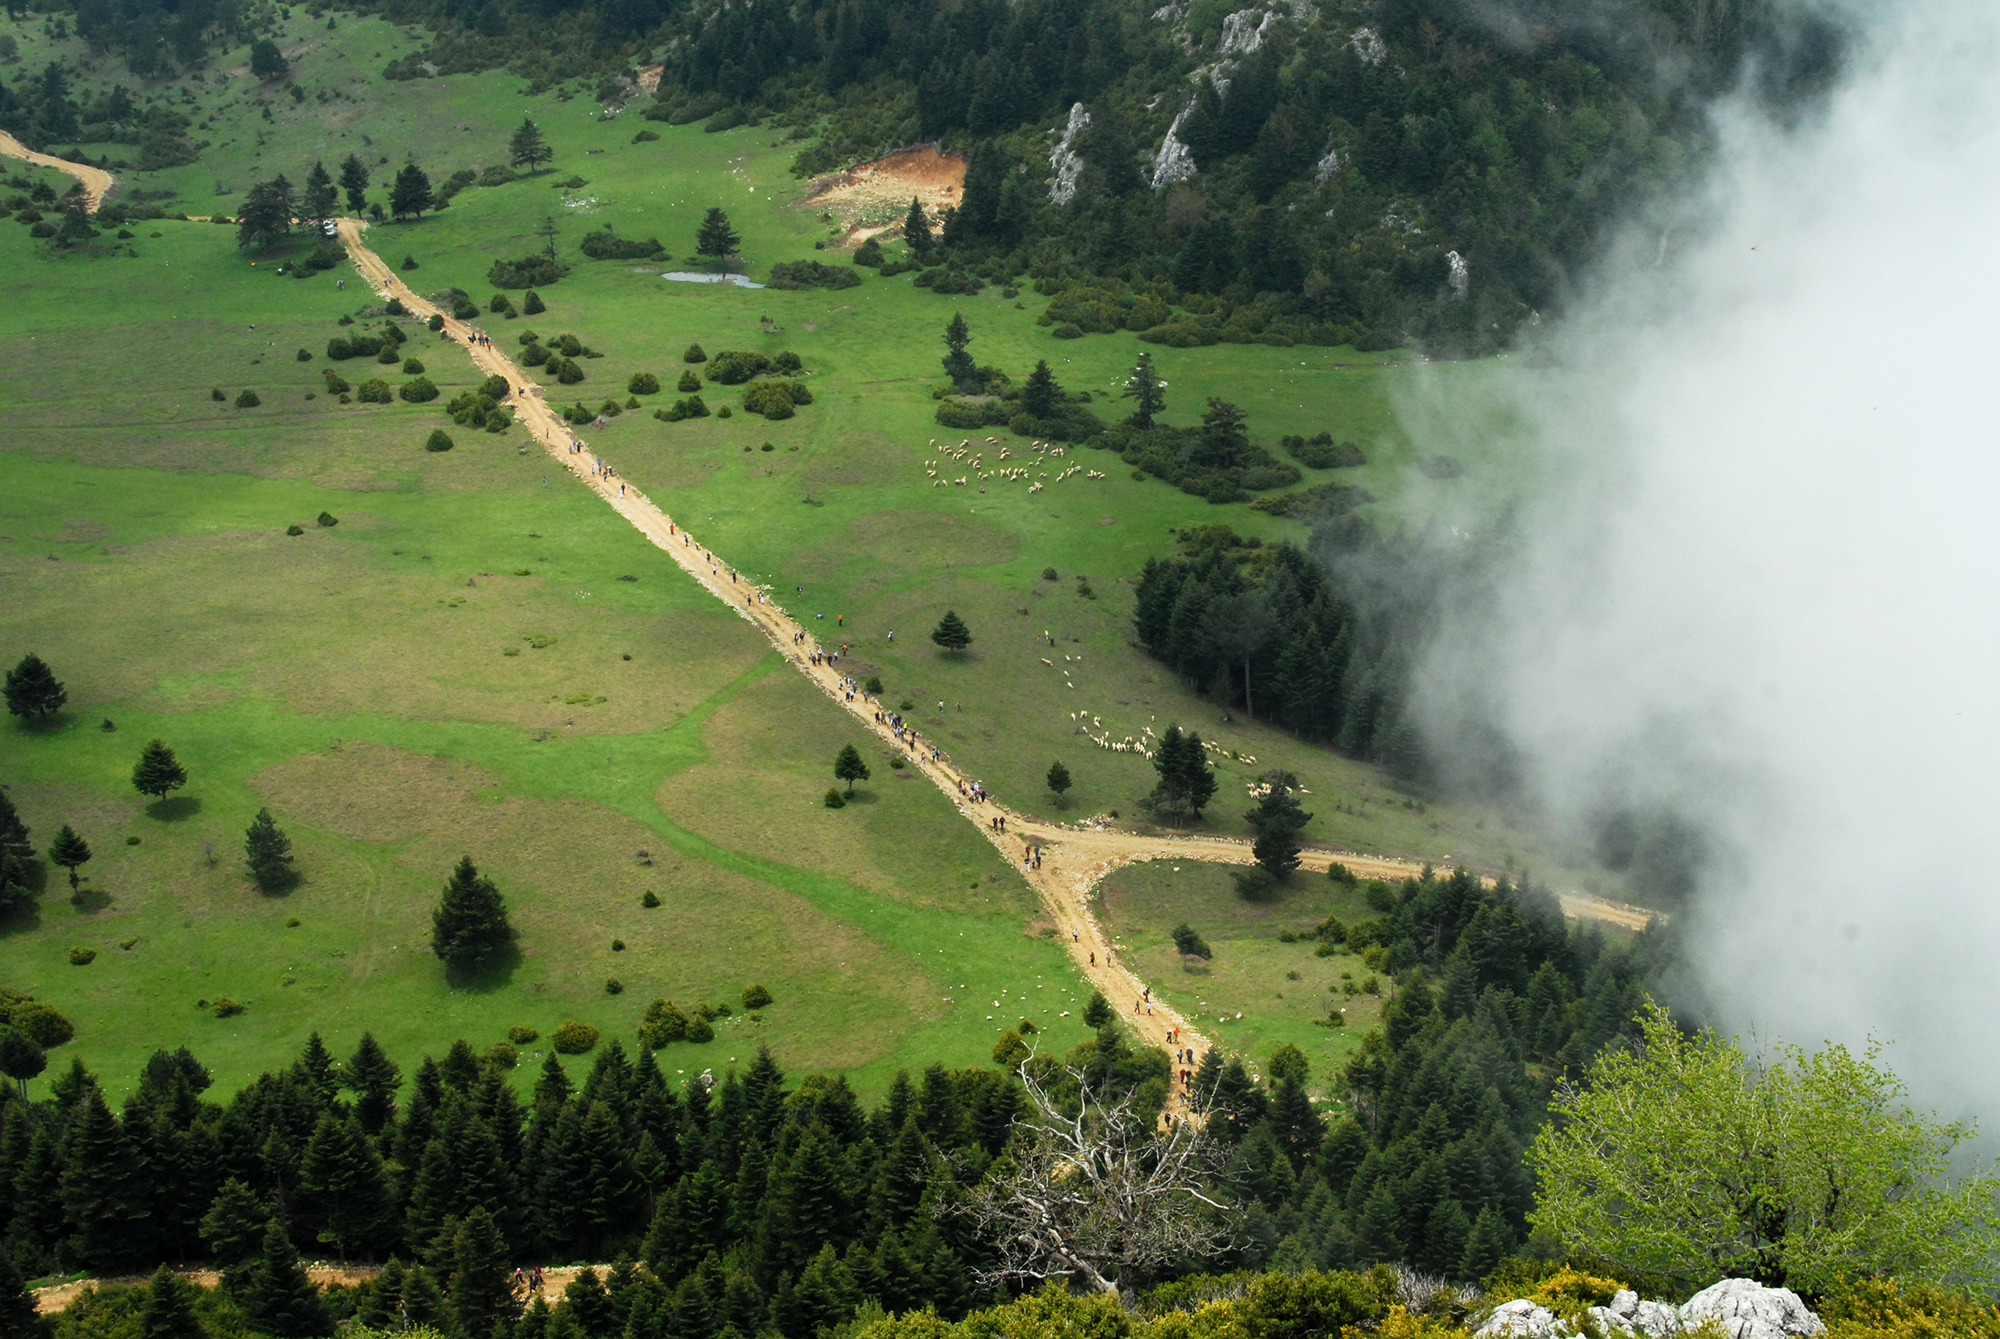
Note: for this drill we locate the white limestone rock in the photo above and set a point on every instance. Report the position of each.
(1746, 1309)
(1520, 1319)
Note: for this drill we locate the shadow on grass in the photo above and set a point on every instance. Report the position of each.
(279, 885)
(494, 974)
(89, 900)
(25, 919)
(179, 809)
(861, 797)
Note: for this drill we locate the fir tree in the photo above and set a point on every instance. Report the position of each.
(101, 1206)
(1041, 394)
(234, 1227)
(158, 771)
(13, 832)
(70, 851)
(268, 852)
(481, 1287)
(379, 1302)
(422, 1302)
(277, 1296)
(1191, 945)
(1145, 387)
(411, 193)
(1058, 779)
(917, 229)
(374, 1079)
(320, 198)
(951, 632)
(958, 364)
(1097, 1013)
(1277, 850)
(469, 927)
(341, 1190)
(716, 241)
(18, 1318)
(169, 1309)
(849, 767)
(17, 892)
(528, 147)
(1297, 1127)
(265, 216)
(354, 180)
(32, 689)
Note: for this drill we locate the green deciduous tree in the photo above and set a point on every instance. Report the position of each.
(850, 767)
(20, 1058)
(266, 213)
(158, 771)
(354, 181)
(32, 689)
(1145, 387)
(70, 851)
(268, 852)
(469, 927)
(528, 148)
(411, 194)
(951, 632)
(715, 240)
(1685, 1159)
(266, 61)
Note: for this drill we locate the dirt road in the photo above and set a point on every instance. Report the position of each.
(97, 183)
(1074, 859)
(50, 1300)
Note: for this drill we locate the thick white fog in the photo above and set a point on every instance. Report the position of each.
(1762, 581)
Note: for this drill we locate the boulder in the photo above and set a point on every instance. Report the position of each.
(1521, 1319)
(1745, 1309)
(1628, 1315)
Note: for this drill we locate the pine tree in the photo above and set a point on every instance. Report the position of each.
(158, 771)
(374, 1078)
(266, 213)
(1295, 1124)
(17, 893)
(379, 1301)
(1145, 387)
(958, 364)
(354, 180)
(102, 1208)
(69, 850)
(1277, 850)
(341, 1191)
(917, 229)
(1058, 778)
(469, 927)
(411, 193)
(277, 1296)
(268, 852)
(234, 1227)
(18, 1318)
(1489, 1243)
(716, 241)
(481, 1287)
(422, 1302)
(320, 198)
(849, 767)
(32, 689)
(13, 832)
(1191, 945)
(1097, 1013)
(528, 147)
(1041, 394)
(951, 632)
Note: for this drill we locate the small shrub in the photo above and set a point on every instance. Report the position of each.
(395, 307)
(789, 363)
(439, 440)
(650, 900)
(436, 323)
(767, 447)
(689, 383)
(574, 1038)
(217, 394)
(531, 304)
(1067, 331)
(617, 946)
(723, 412)
(499, 304)
(304, 355)
(295, 530)
(504, 1055)
(521, 1035)
(327, 519)
(896, 764)
(335, 383)
(699, 1031)
(874, 684)
(612, 986)
(645, 137)
(388, 356)
(643, 383)
(82, 957)
(869, 253)
(607, 245)
(1256, 884)
(756, 997)
(226, 1007)
(1049, 574)
(694, 354)
(834, 799)
(420, 391)
(409, 262)
(733, 367)
(413, 367)
(569, 374)
(247, 399)
(796, 274)
(529, 272)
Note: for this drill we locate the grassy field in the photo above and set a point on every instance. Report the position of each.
(357, 679)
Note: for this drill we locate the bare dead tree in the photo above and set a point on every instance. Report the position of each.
(1100, 1194)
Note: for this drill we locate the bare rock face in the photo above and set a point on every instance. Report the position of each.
(1748, 1310)
(1628, 1315)
(1520, 1319)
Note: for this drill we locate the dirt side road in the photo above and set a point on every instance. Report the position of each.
(97, 183)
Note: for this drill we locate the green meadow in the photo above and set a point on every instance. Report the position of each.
(480, 658)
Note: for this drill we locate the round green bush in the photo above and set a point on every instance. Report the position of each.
(1067, 331)
(226, 1007)
(723, 412)
(295, 529)
(650, 900)
(504, 1055)
(521, 1036)
(247, 399)
(499, 304)
(612, 986)
(389, 353)
(395, 307)
(335, 383)
(569, 374)
(439, 440)
(409, 262)
(755, 997)
(574, 1038)
(617, 946)
(436, 323)
(643, 383)
(834, 799)
(82, 957)
(689, 382)
(698, 1030)
(531, 305)
(305, 355)
(217, 394)
(328, 519)
(694, 354)
(413, 367)
(420, 391)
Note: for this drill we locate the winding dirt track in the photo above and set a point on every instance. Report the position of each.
(97, 183)
(1074, 860)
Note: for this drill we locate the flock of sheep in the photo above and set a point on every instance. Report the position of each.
(1006, 474)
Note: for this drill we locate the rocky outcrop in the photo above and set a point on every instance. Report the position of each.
(1741, 1308)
